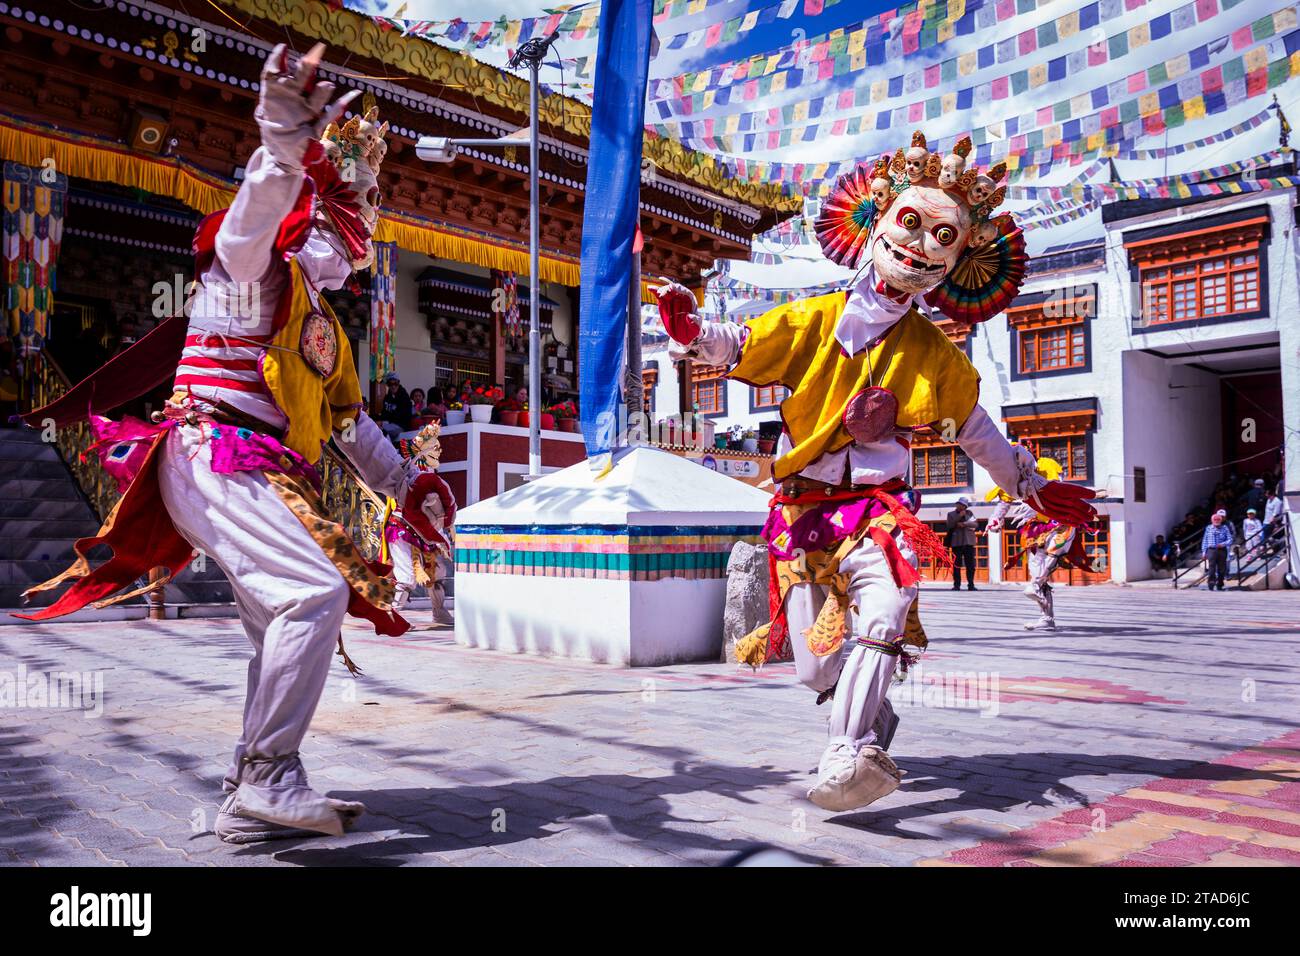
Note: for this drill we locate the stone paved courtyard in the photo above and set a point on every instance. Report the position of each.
(1154, 728)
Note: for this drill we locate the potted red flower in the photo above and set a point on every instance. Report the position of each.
(508, 411)
(481, 402)
(564, 416)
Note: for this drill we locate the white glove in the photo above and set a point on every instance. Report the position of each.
(292, 108)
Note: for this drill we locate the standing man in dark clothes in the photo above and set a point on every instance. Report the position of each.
(962, 525)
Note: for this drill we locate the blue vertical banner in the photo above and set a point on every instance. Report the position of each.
(610, 213)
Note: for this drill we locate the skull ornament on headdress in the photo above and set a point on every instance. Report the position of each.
(926, 221)
(349, 199)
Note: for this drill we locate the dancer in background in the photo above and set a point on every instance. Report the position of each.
(415, 559)
(1045, 544)
(864, 367)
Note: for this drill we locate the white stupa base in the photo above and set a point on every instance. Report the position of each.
(628, 623)
(628, 568)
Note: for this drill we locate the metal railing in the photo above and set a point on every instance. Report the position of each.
(43, 382)
(1187, 556)
(1258, 554)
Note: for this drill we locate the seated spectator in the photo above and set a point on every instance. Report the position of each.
(1161, 554)
(436, 407)
(417, 406)
(395, 415)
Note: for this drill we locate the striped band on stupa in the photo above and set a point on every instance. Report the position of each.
(613, 552)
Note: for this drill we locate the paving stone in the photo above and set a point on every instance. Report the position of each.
(590, 773)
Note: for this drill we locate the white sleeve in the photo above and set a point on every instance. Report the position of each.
(374, 457)
(1012, 467)
(247, 234)
(718, 343)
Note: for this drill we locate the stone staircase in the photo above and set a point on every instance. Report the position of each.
(42, 513)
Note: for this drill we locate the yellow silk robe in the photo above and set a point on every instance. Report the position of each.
(794, 345)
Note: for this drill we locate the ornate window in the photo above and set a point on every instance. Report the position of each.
(649, 379)
(1213, 270)
(709, 389)
(1207, 288)
(1062, 434)
(1070, 451)
(1050, 332)
(937, 464)
(767, 396)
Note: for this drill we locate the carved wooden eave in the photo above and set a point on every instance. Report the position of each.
(365, 39)
(77, 81)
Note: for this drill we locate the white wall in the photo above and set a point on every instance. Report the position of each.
(417, 363)
(1172, 429)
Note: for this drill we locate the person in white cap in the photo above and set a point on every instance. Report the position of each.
(1252, 531)
(1215, 543)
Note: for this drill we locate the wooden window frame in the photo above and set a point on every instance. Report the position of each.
(1072, 441)
(926, 451)
(1199, 280)
(756, 397)
(649, 379)
(716, 377)
(1033, 323)
(1075, 334)
(1073, 426)
(1196, 248)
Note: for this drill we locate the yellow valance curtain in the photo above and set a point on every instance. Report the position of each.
(100, 160)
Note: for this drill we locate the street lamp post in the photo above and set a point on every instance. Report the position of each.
(442, 149)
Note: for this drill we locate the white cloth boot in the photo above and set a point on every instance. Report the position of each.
(399, 553)
(1040, 566)
(292, 601)
(854, 770)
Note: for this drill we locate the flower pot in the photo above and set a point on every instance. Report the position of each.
(482, 414)
(749, 445)
(720, 442)
(568, 425)
(548, 422)
(766, 446)
(455, 416)
(509, 418)
(524, 420)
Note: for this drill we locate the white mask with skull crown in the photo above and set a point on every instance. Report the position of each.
(917, 241)
(925, 221)
(357, 149)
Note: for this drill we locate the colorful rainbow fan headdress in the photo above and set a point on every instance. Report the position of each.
(989, 272)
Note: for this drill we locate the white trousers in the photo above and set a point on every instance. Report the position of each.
(860, 675)
(291, 601)
(399, 552)
(1040, 565)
